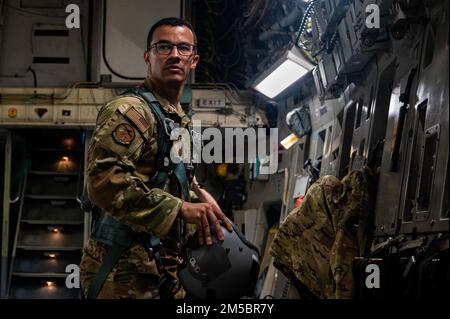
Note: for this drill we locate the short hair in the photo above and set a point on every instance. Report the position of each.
(172, 21)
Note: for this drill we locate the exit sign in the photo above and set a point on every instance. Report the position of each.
(212, 102)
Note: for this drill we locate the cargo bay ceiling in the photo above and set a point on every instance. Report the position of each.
(235, 39)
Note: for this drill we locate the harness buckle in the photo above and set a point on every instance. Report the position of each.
(169, 127)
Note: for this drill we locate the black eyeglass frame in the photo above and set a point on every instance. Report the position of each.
(194, 48)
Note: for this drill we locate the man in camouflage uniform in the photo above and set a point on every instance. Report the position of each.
(121, 162)
(316, 244)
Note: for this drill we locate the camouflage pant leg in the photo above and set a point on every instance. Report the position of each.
(120, 284)
(134, 276)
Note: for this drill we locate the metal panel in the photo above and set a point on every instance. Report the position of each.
(433, 90)
(381, 108)
(416, 128)
(128, 23)
(33, 34)
(52, 106)
(387, 205)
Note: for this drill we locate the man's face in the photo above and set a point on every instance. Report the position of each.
(172, 68)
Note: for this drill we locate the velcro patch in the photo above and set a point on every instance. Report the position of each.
(123, 108)
(124, 134)
(137, 119)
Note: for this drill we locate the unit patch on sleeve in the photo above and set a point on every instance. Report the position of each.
(124, 134)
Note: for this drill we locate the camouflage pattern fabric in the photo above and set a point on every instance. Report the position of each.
(319, 239)
(121, 161)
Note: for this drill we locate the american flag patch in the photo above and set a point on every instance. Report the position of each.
(137, 119)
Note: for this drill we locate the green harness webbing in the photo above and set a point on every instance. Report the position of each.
(119, 236)
(165, 145)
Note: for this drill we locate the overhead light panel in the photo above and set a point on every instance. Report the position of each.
(283, 73)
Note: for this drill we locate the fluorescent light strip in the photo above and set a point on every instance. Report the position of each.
(281, 78)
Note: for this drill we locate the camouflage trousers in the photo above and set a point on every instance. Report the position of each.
(135, 276)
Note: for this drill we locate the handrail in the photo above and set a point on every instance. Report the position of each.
(19, 192)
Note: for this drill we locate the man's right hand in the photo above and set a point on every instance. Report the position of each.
(202, 214)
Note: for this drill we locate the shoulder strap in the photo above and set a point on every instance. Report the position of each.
(164, 145)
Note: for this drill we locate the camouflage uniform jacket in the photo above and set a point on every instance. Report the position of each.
(121, 161)
(319, 239)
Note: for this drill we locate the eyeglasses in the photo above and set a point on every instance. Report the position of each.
(164, 48)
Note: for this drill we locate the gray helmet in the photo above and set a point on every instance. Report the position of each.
(227, 269)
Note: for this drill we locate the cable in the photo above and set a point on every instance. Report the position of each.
(267, 5)
(252, 10)
(62, 96)
(17, 76)
(252, 14)
(34, 77)
(228, 88)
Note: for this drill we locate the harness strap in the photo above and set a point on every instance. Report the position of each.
(164, 143)
(180, 174)
(119, 237)
(108, 264)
